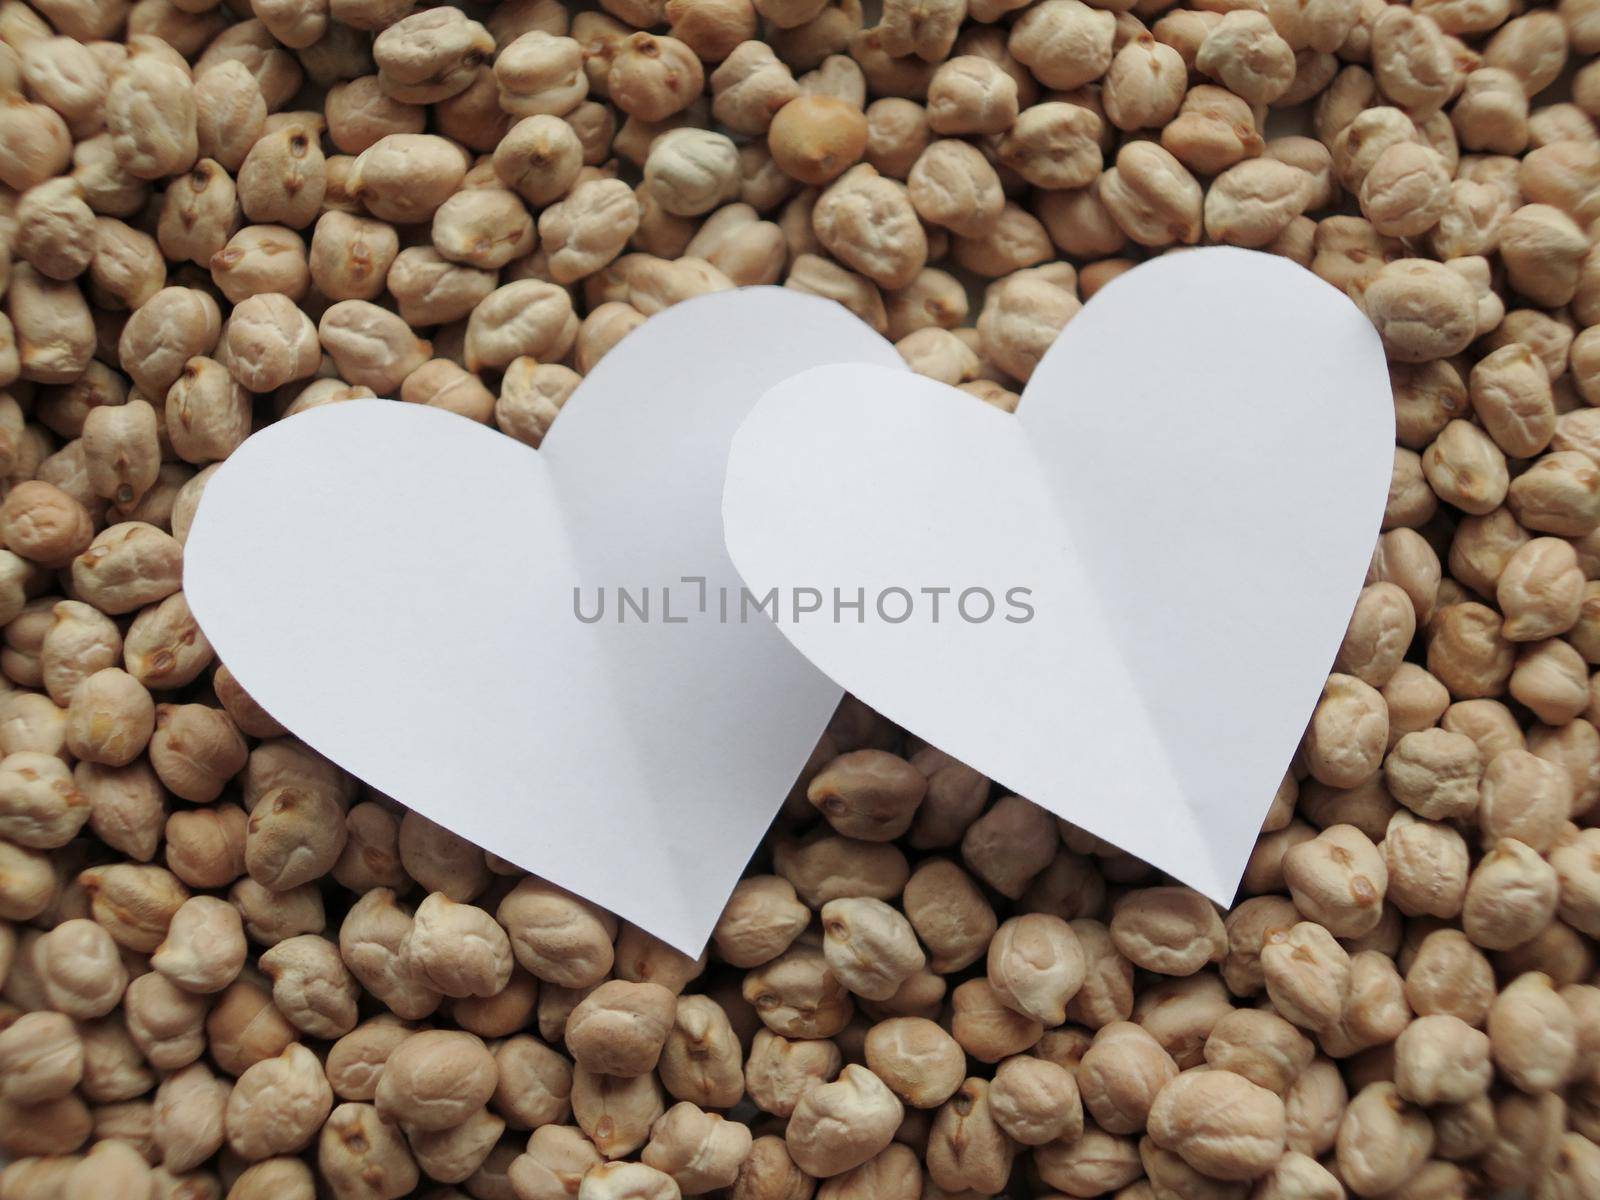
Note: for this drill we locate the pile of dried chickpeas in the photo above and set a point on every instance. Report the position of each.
(227, 969)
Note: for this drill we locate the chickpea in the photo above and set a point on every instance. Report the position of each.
(359, 1153)
(1423, 311)
(403, 178)
(1245, 54)
(840, 1125)
(617, 1112)
(697, 1150)
(1173, 931)
(1219, 1123)
(1307, 975)
(1339, 880)
(817, 138)
(204, 949)
(42, 1056)
(277, 1105)
(150, 112)
(1383, 1141)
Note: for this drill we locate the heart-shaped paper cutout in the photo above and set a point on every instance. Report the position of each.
(396, 585)
(1189, 492)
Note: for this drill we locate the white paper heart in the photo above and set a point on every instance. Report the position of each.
(1190, 491)
(396, 585)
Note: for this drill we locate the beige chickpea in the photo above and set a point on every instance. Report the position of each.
(616, 1111)
(133, 902)
(557, 1159)
(868, 794)
(40, 805)
(1345, 741)
(195, 750)
(1406, 190)
(1220, 1124)
(1423, 311)
(270, 342)
(1542, 247)
(204, 949)
(123, 450)
(527, 317)
(531, 396)
(1383, 1140)
(150, 114)
(620, 1028)
(1010, 844)
(1338, 879)
(360, 112)
(627, 1181)
(1307, 975)
(1151, 196)
(692, 171)
(244, 1029)
(541, 73)
(403, 178)
(970, 94)
(484, 227)
(1378, 636)
(1551, 679)
(840, 1125)
(1440, 1059)
(361, 1154)
(312, 988)
(436, 1079)
(350, 257)
(204, 847)
(1171, 930)
(1559, 494)
(370, 345)
(1032, 1101)
(51, 326)
(779, 1070)
(1449, 975)
(1262, 1047)
(41, 1058)
(459, 948)
(556, 936)
(1245, 54)
(1467, 653)
(43, 524)
(750, 87)
(36, 142)
(869, 946)
(188, 1118)
(1064, 43)
(370, 943)
(653, 77)
(1253, 201)
(1540, 590)
(966, 1147)
(283, 178)
(55, 228)
(1427, 864)
(1524, 797)
(110, 719)
(1213, 130)
(986, 1027)
(1054, 145)
(917, 1059)
(702, 1061)
(431, 55)
(261, 258)
(760, 921)
(277, 1105)
(1021, 318)
(699, 1151)
(166, 1023)
(798, 996)
(230, 113)
(1511, 896)
(1412, 61)
(1532, 1034)
(356, 1060)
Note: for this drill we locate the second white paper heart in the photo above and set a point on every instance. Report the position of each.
(1120, 602)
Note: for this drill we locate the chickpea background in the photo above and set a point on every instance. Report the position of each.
(228, 971)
